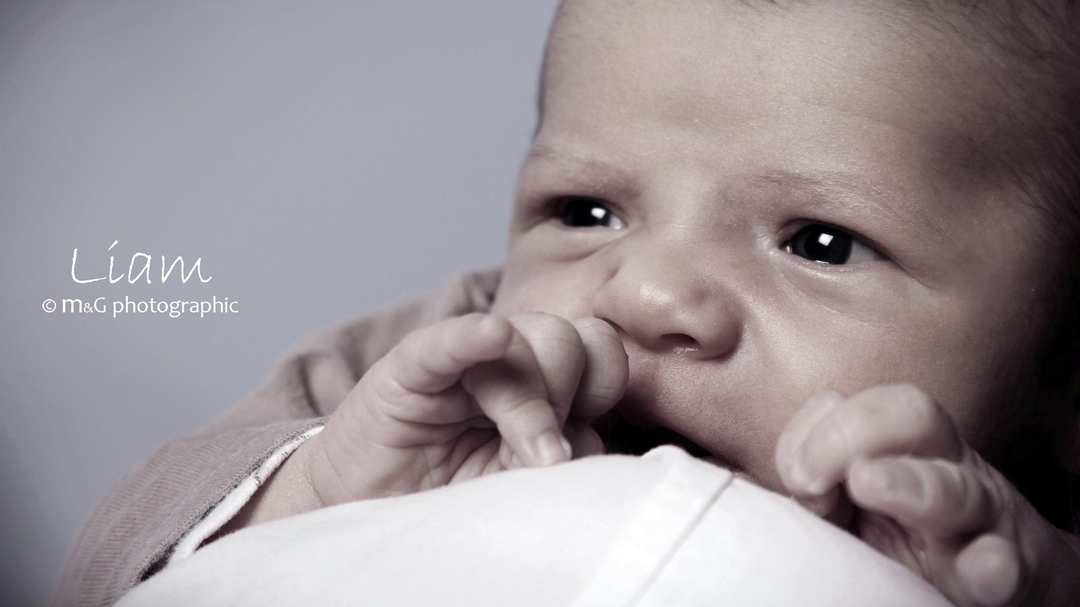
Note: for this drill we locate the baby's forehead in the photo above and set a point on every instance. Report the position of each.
(1007, 34)
(861, 40)
(689, 55)
(962, 70)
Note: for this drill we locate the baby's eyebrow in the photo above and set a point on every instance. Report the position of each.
(845, 191)
(831, 185)
(603, 177)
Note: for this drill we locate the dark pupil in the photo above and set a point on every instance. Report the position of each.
(822, 244)
(583, 213)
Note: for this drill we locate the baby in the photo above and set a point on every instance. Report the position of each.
(830, 245)
(821, 243)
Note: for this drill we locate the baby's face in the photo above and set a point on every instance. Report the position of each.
(767, 203)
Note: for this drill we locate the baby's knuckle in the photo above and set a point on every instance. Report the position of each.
(912, 396)
(939, 494)
(541, 320)
(380, 387)
(921, 410)
(999, 495)
(548, 328)
(599, 330)
(954, 487)
(832, 437)
(520, 409)
(605, 393)
(859, 426)
(929, 504)
(596, 325)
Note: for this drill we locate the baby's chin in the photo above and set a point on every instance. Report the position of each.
(623, 437)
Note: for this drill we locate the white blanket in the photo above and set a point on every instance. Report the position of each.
(662, 529)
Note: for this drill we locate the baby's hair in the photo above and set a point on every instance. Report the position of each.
(1038, 45)
(1038, 42)
(1045, 40)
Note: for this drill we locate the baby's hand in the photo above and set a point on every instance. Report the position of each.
(923, 497)
(469, 396)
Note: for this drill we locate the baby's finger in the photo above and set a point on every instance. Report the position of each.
(890, 420)
(805, 419)
(431, 359)
(559, 353)
(583, 439)
(989, 570)
(512, 393)
(606, 372)
(936, 497)
(794, 435)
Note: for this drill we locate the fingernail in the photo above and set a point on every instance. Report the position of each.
(515, 462)
(884, 476)
(552, 448)
(800, 475)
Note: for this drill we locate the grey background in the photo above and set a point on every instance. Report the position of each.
(322, 158)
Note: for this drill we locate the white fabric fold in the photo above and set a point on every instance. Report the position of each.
(610, 531)
(235, 500)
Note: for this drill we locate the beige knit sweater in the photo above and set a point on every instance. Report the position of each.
(132, 531)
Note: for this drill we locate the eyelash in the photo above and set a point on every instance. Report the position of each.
(815, 242)
(830, 245)
(584, 210)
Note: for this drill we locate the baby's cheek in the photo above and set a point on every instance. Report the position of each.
(540, 301)
(974, 383)
(552, 292)
(518, 294)
(868, 294)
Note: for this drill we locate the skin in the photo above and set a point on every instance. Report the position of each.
(865, 389)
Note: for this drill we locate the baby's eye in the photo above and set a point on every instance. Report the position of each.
(826, 244)
(587, 213)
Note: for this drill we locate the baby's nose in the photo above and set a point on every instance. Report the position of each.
(659, 299)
